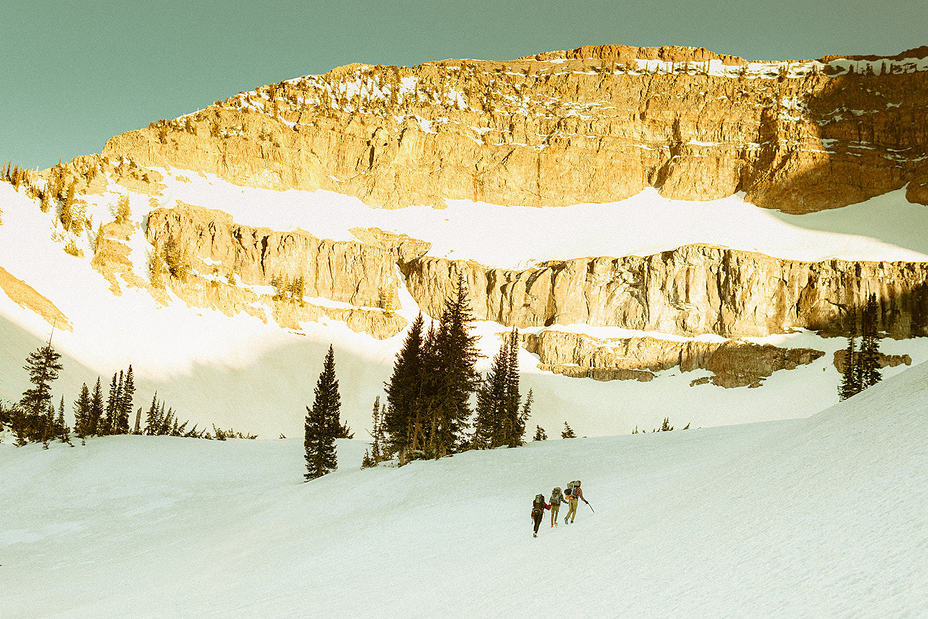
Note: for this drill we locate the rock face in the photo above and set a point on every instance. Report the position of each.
(209, 261)
(692, 290)
(594, 124)
(883, 361)
(27, 297)
(732, 363)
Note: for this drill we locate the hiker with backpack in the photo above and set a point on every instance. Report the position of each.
(556, 497)
(538, 511)
(573, 494)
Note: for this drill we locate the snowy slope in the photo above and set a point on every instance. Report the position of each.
(823, 516)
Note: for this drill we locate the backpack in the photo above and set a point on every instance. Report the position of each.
(570, 488)
(538, 505)
(556, 496)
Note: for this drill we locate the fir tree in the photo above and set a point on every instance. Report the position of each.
(108, 423)
(401, 425)
(490, 426)
(455, 355)
(527, 409)
(152, 417)
(125, 402)
(540, 434)
(513, 426)
(567, 432)
(322, 422)
(849, 385)
(82, 412)
(43, 367)
(96, 409)
(869, 346)
(64, 432)
(376, 454)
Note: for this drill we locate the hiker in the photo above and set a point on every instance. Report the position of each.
(538, 511)
(574, 493)
(556, 497)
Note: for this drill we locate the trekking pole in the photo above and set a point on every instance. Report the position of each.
(590, 506)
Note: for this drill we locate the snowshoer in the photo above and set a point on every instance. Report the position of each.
(538, 511)
(556, 497)
(574, 494)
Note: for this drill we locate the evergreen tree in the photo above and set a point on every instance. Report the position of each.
(82, 412)
(43, 367)
(540, 434)
(376, 454)
(322, 422)
(567, 432)
(849, 385)
(125, 404)
(108, 423)
(492, 420)
(96, 409)
(400, 424)
(870, 346)
(152, 417)
(64, 432)
(513, 426)
(527, 409)
(455, 355)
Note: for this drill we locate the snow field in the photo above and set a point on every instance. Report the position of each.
(882, 228)
(816, 517)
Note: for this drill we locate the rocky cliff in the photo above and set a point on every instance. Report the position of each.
(594, 124)
(732, 363)
(693, 290)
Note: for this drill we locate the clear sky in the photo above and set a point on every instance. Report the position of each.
(72, 74)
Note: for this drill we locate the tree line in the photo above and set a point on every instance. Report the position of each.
(35, 419)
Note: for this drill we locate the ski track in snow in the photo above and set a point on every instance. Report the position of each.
(814, 517)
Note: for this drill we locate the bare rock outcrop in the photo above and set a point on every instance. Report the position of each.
(732, 363)
(595, 124)
(29, 298)
(289, 276)
(692, 290)
(883, 360)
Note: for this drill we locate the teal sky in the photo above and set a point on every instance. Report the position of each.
(72, 74)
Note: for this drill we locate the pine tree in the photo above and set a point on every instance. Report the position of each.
(125, 403)
(540, 434)
(869, 346)
(401, 424)
(96, 410)
(108, 423)
(455, 379)
(43, 367)
(376, 433)
(322, 422)
(82, 412)
(513, 427)
(490, 426)
(64, 432)
(849, 385)
(567, 432)
(152, 418)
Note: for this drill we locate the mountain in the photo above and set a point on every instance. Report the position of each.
(820, 516)
(670, 229)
